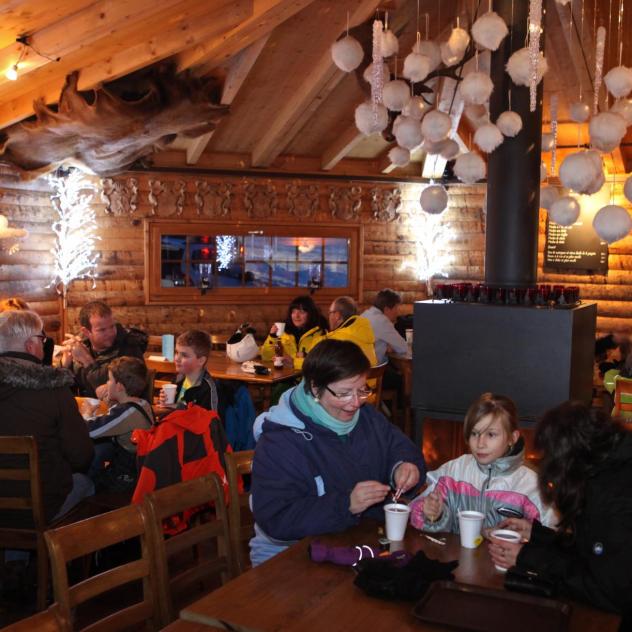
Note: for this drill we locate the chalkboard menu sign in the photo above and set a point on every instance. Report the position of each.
(575, 248)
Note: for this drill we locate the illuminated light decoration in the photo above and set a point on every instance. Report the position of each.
(226, 250)
(535, 30)
(599, 52)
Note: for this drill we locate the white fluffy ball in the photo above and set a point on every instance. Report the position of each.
(612, 223)
(489, 30)
(580, 112)
(407, 132)
(476, 88)
(519, 67)
(488, 137)
(365, 121)
(431, 148)
(618, 80)
(548, 141)
(607, 130)
(453, 50)
(396, 94)
(449, 149)
(509, 123)
(390, 45)
(347, 53)
(548, 195)
(416, 67)
(565, 210)
(434, 199)
(476, 113)
(627, 189)
(469, 168)
(416, 108)
(582, 172)
(623, 107)
(431, 50)
(399, 156)
(367, 75)
(436, 126)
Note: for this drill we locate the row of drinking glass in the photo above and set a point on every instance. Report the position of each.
(481, 293)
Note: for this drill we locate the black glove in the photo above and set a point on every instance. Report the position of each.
(385, 579)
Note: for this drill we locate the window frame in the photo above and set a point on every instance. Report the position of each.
(155, 294)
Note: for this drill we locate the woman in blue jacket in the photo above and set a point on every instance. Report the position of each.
(324, 460)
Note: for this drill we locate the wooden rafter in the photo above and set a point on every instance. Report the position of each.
(341, 147)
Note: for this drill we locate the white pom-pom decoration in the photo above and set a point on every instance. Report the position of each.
(431, 50)
(612, 223)
(396, 94)
(434, 199)
(347, 53)
(416, 67)
(607, 130)
(580, 112)
(548, 141)
(399, 156)
(458, 41)
(627, 189)
(432, 149)
(623, 107)
(548, 195)
(509, 123)
(365, 121)
(489, 30)
(488, 137)
(436, 126)
(519, 67)
(476, 88)
(449, 149)
(469, 168)
(407, 132)
(565, 210)
(367, 75)
(390, 45)
(543, 173)
(582, 172)
(416, 108)
(618, 80)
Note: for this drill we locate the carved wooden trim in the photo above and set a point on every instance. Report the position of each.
(345, 202)
(120, 196)
(260, 200)
(303, 200)
(386, 204)
(166, 198)
(213, 199)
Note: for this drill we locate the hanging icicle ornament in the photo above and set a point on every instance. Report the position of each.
(399, 156)
(476, 88)
(582, 172)
(607, 130)
(618, 80)
(377, 80)
(580, 112)
(565, 210)
(436, 126)
(489, 30)
(612, 222)
(627, 189)
(535, 30)
(469, 168)
(599, 52)
(368, 73)
(434, 199)
(548, 195)
(488, 137)
(519, 67)
(371, 119)
(553, 111)
(509, 123)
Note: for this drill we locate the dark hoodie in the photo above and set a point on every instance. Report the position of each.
(36, 400)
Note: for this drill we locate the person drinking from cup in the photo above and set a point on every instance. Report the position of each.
(585, 473)
(323, 459)
(304, 326)
(491, 480)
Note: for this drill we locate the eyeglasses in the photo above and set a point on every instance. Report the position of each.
(362, 394)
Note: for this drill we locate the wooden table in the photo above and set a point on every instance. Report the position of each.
(221, 367)
(290, 592)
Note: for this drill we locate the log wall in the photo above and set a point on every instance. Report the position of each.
(389, 243)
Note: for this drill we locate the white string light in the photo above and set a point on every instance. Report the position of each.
(226, 250)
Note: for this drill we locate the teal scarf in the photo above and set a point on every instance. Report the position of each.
(308, 405)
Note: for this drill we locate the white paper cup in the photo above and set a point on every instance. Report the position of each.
(396, 520)
(470, 524)
(280, 329)
(508, 535)
(409, 336)
(170, 393)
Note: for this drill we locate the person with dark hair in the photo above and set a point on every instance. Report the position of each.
(345, 324)
(585, 472)
(323, 459)
(382, 315)
(305, 326)
(101, 340)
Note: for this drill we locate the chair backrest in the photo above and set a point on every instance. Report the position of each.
(154, 343)
(622, 397)
(218, 342)
(377, 373)
(241, 529)
(207, 563)
(49, 620)
(148, 393)
(88, 536)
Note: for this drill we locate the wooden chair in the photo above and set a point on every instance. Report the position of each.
(218, 342)
(148, 394)
(207, 563)
(240, 518)
(622, 397)
(49, 620)
(376, 373)
(25, 474)
(94, 534)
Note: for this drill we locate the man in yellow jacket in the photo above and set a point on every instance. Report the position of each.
(345, 324)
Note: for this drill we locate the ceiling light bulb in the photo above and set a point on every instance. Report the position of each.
(12, 73)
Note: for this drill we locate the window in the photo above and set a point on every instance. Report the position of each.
(236, 263)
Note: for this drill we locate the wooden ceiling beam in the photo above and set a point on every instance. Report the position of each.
(340, 148)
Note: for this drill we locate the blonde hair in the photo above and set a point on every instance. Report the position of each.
(498, 406)
(12, 304)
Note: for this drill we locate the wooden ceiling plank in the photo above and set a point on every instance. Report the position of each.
(323, 76)
(343, 145)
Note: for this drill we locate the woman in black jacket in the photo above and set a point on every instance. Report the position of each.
(586, 474)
